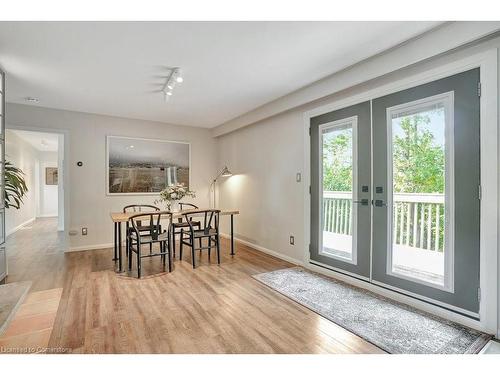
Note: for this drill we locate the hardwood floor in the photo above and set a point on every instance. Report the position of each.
(212, 309)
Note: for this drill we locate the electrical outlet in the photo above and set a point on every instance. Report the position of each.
(292, 240)
(84, 231)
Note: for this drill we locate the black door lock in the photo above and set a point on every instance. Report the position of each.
(363, 202)
(379, 203)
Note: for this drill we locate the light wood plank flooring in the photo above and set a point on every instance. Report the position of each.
(212, 309)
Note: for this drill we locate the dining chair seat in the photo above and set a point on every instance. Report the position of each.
(145, 228)
(204, 233)
(149, 239)
(185, 224)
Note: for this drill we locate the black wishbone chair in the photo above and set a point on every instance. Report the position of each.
(209, 230)
(137, 208)
(181, 225)
(138, 237)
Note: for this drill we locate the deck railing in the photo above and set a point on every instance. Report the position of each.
(418, 219)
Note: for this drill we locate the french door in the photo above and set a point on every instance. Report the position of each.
(395, 189)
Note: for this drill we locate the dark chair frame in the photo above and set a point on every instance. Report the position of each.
(136, 238)
(181, 224)
(207, 231)
(138, 208)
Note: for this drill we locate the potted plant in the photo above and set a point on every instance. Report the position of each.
(172, 194)
(15, 186)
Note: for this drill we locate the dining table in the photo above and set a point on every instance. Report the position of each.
(122, 217)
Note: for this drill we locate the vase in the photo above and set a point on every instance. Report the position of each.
(174, 206)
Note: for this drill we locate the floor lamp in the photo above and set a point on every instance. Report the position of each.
(224, 173)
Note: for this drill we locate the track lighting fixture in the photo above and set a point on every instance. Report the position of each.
(172, 79)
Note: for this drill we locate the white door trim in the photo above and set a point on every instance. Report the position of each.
(353, 122)
(447, 99)
(487, 62)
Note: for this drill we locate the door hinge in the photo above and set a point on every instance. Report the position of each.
(479, 89)
(479, 193)
(309, 131)
(309, 189)
(479, 294)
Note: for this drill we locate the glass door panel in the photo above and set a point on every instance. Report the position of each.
(338, 174)
(421, 142)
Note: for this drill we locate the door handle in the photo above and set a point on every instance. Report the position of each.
(379, 203)
(363, 202)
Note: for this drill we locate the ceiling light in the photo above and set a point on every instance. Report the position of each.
(174, 76)
(30, 99)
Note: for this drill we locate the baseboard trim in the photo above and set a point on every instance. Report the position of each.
(265, 250)
(92, 247)
(49, 215)
(15, 229)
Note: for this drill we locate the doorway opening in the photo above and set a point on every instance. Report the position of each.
(39, 155)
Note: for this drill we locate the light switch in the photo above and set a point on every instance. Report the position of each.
(298, 177)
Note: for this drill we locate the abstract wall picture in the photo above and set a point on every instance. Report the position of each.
(51, 176)
(145, 166)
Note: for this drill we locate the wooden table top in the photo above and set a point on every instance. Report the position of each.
(121, 217)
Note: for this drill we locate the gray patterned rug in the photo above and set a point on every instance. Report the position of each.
(392, 326)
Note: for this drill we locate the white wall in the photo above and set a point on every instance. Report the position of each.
(86, 201)
(23, 156)
(265, 158)
(47, 205)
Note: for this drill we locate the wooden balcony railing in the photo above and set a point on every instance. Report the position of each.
(418, 219)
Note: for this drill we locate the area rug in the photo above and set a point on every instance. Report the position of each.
(11, 297)
(392, 326)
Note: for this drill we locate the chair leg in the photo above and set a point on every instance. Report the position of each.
(192, 251)
(218, 249)
(173, 242)
(162, 256)
(129, 251)
(151, 248)
(180, 243)
(168, 256)
(199, 228)
(127, 240)
(138, 261)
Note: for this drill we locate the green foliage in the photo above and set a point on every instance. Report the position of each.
(418, 164)
(15, 186)
(337, 162)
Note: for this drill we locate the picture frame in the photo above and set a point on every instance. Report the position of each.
(51, 176)
(142, 166)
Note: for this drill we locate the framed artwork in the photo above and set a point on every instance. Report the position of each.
(50, 176)
(145, 166)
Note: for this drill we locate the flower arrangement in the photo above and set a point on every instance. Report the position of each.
(172, 194)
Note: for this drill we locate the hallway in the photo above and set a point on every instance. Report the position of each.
(36, 252)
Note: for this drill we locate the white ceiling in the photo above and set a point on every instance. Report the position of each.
(40, 141)
(229, 68)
